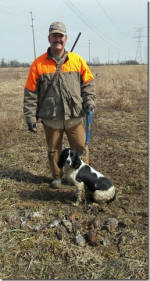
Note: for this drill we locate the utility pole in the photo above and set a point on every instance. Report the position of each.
(33, 35)
(89, 52)
(118, 61)
(108, 56)
(139, 36)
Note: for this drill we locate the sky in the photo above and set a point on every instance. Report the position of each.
(111, 30)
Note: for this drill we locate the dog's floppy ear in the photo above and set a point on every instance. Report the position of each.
(77, 161)
(61, 161)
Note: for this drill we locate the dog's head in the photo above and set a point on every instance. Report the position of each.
(69, 157)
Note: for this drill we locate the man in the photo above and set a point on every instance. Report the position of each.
(59, 90)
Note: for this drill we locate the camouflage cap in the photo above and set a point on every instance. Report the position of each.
(57, 27)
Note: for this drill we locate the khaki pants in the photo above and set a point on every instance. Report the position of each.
(54, 137)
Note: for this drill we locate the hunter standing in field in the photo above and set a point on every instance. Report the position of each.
(59, 91)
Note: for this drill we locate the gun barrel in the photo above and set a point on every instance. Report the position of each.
(75, 42)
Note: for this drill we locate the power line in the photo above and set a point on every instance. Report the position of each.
(109, 18)
(16, 16)
(86, 21)
(77, 12)
(12, 11)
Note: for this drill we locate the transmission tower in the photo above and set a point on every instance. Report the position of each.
(139, 36)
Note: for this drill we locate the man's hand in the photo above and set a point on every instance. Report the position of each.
(32, 127)
(88, 108)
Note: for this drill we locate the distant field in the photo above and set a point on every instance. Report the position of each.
(29, 248)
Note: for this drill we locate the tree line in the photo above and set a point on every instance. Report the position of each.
(16, 63)
(128, 62)
(13, 63)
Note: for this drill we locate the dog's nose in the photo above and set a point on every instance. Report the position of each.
(68, 162)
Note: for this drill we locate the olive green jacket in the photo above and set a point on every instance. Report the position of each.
(58, 91)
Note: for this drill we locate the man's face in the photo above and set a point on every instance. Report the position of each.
(57, 42)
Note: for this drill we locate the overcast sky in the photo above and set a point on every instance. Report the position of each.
(112, 30)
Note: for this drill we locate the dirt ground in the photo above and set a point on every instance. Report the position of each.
(30, 248)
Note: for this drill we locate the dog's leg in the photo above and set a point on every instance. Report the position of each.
(67, 176)
(80, 191)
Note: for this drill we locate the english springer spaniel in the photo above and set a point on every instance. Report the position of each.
(83, 175)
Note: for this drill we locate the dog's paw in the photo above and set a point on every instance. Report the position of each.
(75, 204)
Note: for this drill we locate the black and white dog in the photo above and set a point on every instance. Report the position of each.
(82, 175)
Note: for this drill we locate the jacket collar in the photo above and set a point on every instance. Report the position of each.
(64, 58)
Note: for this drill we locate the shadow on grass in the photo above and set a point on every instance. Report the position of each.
(42, 193)
(22, 176)
(48, 195)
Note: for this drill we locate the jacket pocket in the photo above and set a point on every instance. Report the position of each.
(76, 106)
(48, 108)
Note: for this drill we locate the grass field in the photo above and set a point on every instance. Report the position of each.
(29, 247)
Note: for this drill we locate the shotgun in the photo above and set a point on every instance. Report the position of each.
(75, 42)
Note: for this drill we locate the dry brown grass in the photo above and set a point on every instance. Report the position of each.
(11, 112)
(119, 86)
(118, 148)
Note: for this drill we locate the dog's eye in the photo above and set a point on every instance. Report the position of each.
(71, 154)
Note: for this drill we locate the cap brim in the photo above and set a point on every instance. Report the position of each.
(57, 31)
